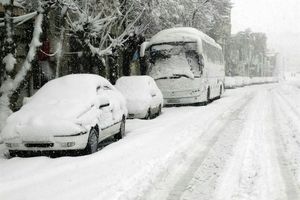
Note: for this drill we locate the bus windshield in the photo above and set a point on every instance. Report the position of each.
(175, 60)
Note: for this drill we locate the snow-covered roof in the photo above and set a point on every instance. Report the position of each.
(134, 87)
(78, 86)
(181, 34)
(137, 82)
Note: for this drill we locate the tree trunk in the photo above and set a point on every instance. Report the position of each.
(10, 85)
(9, 46)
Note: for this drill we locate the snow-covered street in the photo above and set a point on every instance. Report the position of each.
(244, 146)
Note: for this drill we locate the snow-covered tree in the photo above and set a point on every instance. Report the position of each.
(98, 27)
(206, 15)
(12, 82)
(102, 28)
(246, 53)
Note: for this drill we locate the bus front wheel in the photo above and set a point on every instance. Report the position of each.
(207, 97)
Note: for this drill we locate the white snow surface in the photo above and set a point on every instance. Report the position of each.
(240, 81)
(138, 93)
(243, 146)
(66, 105)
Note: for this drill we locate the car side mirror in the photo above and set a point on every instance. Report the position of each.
(153, 93)
(104, 105)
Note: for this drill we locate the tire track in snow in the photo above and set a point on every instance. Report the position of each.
(221, 129)
(288, 176)
(288, 133)
(254, 172)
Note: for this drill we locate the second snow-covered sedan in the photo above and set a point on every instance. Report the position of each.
(144, 98)
(74, 112)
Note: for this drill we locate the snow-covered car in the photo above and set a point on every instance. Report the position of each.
(144, 99)
(74, 112)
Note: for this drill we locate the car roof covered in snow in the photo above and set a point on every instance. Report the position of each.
(181, 34)
(139, 83)
(135, 79)
(79, 86)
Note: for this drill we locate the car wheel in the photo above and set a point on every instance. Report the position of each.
(92, 145)
(148, 116)
(159, 110)
(121, 133)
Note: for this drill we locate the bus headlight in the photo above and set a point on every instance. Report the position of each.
(12, 145)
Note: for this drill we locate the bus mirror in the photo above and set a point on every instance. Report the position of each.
(144, 47)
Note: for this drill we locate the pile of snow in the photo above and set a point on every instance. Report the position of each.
(138, 92)
(240, 81)
(291, 76)
(66, 105)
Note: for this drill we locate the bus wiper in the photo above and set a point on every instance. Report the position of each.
(165, 77)
(181, 75)
(175, 76)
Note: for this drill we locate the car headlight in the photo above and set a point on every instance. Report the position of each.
(12, 145)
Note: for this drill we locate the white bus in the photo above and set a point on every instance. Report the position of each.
(187, 65)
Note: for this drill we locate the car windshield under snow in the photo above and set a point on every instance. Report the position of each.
(172, 61)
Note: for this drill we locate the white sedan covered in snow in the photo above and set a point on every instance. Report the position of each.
(144, 99)
(74, 112)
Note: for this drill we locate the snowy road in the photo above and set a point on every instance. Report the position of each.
(243, 146)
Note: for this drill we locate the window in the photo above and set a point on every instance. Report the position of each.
(212, 53)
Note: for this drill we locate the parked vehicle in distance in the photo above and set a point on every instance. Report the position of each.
(241, 81)
(74, 112)
(230, 82)
(143, 97)
(187, 65)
